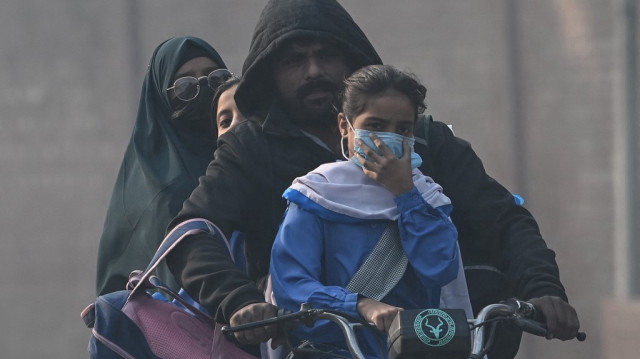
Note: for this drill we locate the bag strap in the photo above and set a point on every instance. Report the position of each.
(158, 284)
(181, 231)
(423, 121)
(383, 268)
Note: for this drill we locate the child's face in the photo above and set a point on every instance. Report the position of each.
(390, 111)
(227, 114)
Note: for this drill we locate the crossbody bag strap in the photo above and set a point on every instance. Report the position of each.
(422, 137)
(383, 268)
(180, 232)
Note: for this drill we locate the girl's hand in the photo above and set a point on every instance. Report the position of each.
(378, 313)
(390, 171)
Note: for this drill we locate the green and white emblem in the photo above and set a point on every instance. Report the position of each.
(434, 327)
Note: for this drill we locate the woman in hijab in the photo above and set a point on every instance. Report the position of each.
(172, 143)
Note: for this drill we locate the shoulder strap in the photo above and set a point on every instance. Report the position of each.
(383, 268)
(421, 134)
(422, 129)
(180, 232)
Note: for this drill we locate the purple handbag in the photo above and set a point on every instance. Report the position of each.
(133, 324)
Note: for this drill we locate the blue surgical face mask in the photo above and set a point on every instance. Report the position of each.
(392, 140)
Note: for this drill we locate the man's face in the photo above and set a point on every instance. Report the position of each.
(308, 76)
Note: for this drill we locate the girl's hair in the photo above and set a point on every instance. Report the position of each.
(232, 81)
(375, 79)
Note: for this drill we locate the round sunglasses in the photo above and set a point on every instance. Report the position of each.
(187, 88)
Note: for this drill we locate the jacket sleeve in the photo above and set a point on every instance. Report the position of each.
(225, 195)
(429, 239)
(492, 228)
(296, 271)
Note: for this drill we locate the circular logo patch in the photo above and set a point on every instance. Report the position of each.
(434, 327)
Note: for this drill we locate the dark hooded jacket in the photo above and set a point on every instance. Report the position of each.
(258, 159)
(160, 168)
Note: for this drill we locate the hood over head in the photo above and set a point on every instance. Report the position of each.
(284, 20)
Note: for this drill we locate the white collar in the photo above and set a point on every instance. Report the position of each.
(342, 187)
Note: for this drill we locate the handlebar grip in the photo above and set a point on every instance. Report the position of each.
(529, 311)
(282, 315)
(226, 331)
(539, 329)
(531, 326)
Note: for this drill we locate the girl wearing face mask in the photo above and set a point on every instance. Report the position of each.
(171, 145)
(339, 213)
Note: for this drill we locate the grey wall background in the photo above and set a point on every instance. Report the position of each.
(529, 84)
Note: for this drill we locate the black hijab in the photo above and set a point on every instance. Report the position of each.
(160, 168)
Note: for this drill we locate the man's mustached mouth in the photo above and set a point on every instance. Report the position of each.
(316, 90)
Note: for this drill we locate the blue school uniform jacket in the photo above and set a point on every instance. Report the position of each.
(336, 216)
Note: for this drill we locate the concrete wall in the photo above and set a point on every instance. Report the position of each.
(529, 84)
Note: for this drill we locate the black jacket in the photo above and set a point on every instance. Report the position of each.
(502, 249)
(257, 160)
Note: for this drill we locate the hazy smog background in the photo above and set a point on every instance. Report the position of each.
(533, 85)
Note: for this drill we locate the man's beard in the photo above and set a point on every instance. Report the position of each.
(322, 115)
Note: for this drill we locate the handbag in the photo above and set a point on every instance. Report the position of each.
(132, 323)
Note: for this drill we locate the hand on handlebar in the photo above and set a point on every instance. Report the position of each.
(252, 313)
(561, 318)
(378, 313)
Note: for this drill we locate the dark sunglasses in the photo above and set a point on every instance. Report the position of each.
(187, 88)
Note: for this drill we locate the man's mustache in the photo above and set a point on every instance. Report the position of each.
(316, 85)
